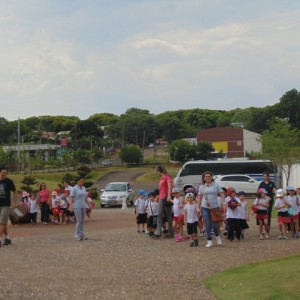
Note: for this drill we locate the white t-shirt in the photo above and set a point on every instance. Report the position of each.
(298, 197)
(178, 210)
(262, 201)
(54, 202)
(242, 210)
(292, 200)
(232, 213)
(191, 212)
(63, 203)
(33, 206)
(280, 202)
(140, 206)
(152, 208)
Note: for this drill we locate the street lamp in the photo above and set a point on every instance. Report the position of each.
(175, 154)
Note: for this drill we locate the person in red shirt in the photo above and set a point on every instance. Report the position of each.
(44, 195)
(164, 203)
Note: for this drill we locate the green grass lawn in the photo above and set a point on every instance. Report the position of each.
(274, 279)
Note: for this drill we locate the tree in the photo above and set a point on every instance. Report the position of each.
(281, 145)
(28, 181)
(181, 151)
(203, 150)
(131, 155)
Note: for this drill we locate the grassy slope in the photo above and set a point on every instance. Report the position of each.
(274, 279)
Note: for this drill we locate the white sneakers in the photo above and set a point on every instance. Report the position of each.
(219, 241)
(210, 243)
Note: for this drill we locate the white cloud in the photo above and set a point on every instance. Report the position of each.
(153, 55)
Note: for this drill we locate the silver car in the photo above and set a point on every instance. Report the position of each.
(115, 193)
(238, 181)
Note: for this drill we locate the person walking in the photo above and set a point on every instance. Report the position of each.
(270, 188)
(208, 198)
(7, 187)
(79, 200)
(164, 203)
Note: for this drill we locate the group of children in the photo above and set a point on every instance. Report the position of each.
(185, 212)
(234, 210)
(58, 204)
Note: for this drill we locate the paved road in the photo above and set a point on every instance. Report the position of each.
(129, 176)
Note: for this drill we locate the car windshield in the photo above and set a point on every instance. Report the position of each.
(116, 187)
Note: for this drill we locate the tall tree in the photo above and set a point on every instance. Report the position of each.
(281, 145)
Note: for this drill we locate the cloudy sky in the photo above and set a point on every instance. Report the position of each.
(80, 57)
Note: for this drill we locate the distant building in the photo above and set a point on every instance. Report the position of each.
(234, 142)
(192, 141)
(46, 150)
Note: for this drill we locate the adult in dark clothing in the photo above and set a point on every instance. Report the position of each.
(270, 187)
(6, 187)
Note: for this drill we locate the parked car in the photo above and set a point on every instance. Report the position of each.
(238, 181)
(107, 163)
(115, 192)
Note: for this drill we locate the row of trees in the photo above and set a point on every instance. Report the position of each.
(140, 127)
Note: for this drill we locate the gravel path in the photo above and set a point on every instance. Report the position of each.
(44, 262)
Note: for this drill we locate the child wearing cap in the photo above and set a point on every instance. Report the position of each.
(191, 218)
(243, 213)
(152, 212)
(262, 204)
(141, 215)
(293, 201)
(54, 205)
(283, 218)
(232, 214)
(178, 205)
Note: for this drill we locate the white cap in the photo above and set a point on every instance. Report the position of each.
(279, 193)
(189, 195)
(175, 190)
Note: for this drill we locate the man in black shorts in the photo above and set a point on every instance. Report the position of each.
(6, 187)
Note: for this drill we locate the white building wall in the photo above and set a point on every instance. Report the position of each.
(294, 178)
(251, 142)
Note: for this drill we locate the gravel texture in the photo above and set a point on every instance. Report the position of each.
(44, 261)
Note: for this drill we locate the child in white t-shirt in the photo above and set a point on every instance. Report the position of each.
(293, 201)
(178, 219)
(141, 215)
(62, 209)
(152, 212)
(283, 218)
(32, 208)
(191, 218)
(232, 214)
(243, 213)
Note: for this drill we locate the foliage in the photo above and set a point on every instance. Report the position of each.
(280, 145)
(83, 171)
(28, 182)
(94, 193)
(131, 155)
(182, 151)
(68, 177)
(203, 150)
